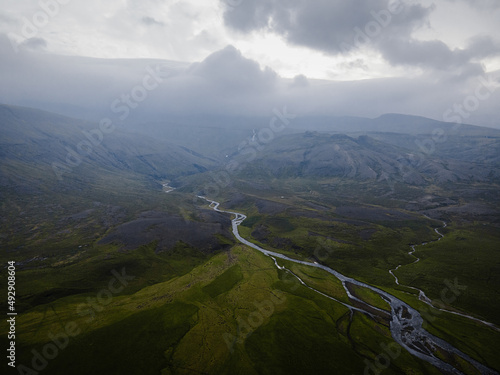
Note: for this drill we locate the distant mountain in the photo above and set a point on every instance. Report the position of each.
(321, 155)
(40, 146)
(42, 149)
(217, 136)
(387, 123)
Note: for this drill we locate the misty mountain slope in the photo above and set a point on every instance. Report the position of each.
(211, 136)
(414, 125)
(364, 158)
(32, 141)
(483, 147)
(219, 135)
(387, 123)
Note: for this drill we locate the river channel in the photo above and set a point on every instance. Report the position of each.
(405, 322)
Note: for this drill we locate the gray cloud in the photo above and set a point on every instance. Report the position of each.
(225, 83)
(482, 46)
(228, 69)
(340, 27)
(150, 21)
(356, 64)
(5, 18)
(484, 4)
(437, 55)
(34, 43)
(300, 81)
(421, 53)
(333, 27)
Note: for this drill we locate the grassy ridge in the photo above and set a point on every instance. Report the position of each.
(235, 313)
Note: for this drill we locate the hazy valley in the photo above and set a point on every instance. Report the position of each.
(196, 300)
(245, 187)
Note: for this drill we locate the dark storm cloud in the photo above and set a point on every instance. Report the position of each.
(339, 27)
(435, 53)
(483, 46)
(333, 27)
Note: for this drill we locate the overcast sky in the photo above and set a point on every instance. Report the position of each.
(341, 57)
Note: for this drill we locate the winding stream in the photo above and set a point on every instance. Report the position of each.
(405, 324)
(421, 294)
